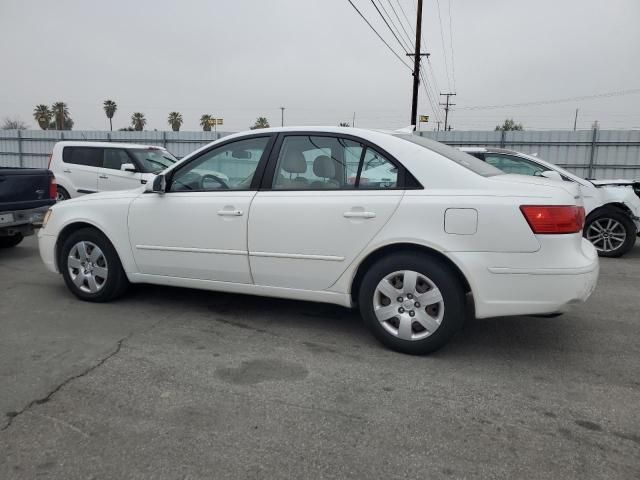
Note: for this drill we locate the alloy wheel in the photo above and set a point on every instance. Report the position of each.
(87, 267)
(606, 234)
(408, 305)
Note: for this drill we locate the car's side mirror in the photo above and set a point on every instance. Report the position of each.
(552, 174)
(159, 184)
(128, 167)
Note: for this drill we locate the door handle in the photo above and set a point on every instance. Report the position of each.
(103, 176)
(231, 213)
(66, 171)
(357, 214)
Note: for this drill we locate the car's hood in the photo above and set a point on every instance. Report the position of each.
(600, 183)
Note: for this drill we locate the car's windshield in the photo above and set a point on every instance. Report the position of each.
(153, 159)
(468, 161)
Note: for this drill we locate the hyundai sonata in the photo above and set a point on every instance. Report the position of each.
(402, 227)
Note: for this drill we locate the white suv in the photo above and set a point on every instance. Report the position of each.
(90, 167)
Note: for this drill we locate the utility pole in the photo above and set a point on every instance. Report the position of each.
(353, 122)
(575, 121)
(416, 66)
(282, 116)
(447, 106)
(438, 122)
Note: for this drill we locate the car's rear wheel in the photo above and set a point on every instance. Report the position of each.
(11, 240)
(91, 267)
(611, 231)
(62, 194)
(412, 303)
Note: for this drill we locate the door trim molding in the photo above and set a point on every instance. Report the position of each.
(297, 256)
(191, 250)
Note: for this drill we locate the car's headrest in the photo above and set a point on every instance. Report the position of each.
(294, 162)
(324, 166)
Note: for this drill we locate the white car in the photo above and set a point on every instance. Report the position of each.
(289, 222)
(612, 206)
(90, 167)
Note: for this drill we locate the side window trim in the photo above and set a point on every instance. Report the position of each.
(270, 170)
(257, 176)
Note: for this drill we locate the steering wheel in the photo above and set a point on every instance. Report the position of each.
(211, 176)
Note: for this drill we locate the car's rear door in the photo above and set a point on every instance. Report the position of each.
(311, 217)
(81, 165)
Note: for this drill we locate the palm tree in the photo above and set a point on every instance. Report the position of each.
(175, 120)
(205, 122)
(43, 116)
(110, 108)
(261, 122)
(60, 113)
(138, 121)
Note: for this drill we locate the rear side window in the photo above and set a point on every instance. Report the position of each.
(89, 156)
(464, 159)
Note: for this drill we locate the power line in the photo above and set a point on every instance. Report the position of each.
(619, 93)
(407, 36)
(379, 36)
(453, 62)
(406, 50)
(444, 47)
(404, 14)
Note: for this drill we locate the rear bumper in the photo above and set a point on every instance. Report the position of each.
(23, 221)
(533, 283)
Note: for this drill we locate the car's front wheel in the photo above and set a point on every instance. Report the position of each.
(412, 303)
(91, 267)
(611, 231)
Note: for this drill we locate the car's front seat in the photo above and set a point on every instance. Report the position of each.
(293, 163)
(325, 168)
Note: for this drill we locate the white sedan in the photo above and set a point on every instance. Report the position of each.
(291, 218)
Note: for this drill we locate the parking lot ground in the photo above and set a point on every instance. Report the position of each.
(174, 383)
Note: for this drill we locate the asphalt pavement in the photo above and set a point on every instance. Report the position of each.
(172, 383)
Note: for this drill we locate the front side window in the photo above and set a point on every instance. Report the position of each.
(88, 156)
(153, 160)
(510, 164)
(114, 158)
(228, 167)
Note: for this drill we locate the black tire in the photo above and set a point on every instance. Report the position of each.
(116, 282)
(618, 216)
(445, 280)
(11, 241)
(62, 194)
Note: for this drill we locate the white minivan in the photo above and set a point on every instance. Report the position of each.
(90, 167)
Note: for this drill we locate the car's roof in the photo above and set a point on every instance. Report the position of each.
(84, 143)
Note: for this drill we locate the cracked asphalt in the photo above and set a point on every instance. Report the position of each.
(182, 384)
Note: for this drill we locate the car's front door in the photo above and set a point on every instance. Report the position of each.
(112, 177)
(198, 228)
(317, 214)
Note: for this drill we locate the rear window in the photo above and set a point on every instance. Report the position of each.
(467, 161)
(153, 160)
(89, 156)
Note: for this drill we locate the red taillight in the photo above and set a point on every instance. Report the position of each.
(49, 164)
(546, 219)
(53, 188)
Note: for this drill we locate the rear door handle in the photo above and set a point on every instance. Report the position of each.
(356, 214)
(66, 171)
(230, 213)
(103, 176)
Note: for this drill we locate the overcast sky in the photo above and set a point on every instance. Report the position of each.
(245, 58)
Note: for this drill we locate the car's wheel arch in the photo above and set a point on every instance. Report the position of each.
(69, 229)
(392, 248)
(618, 206)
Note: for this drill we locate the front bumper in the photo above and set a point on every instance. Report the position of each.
(47, 248)
(532, 283)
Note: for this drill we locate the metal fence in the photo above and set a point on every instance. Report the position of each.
(602, 154)
(31, 148)
(589, 153)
